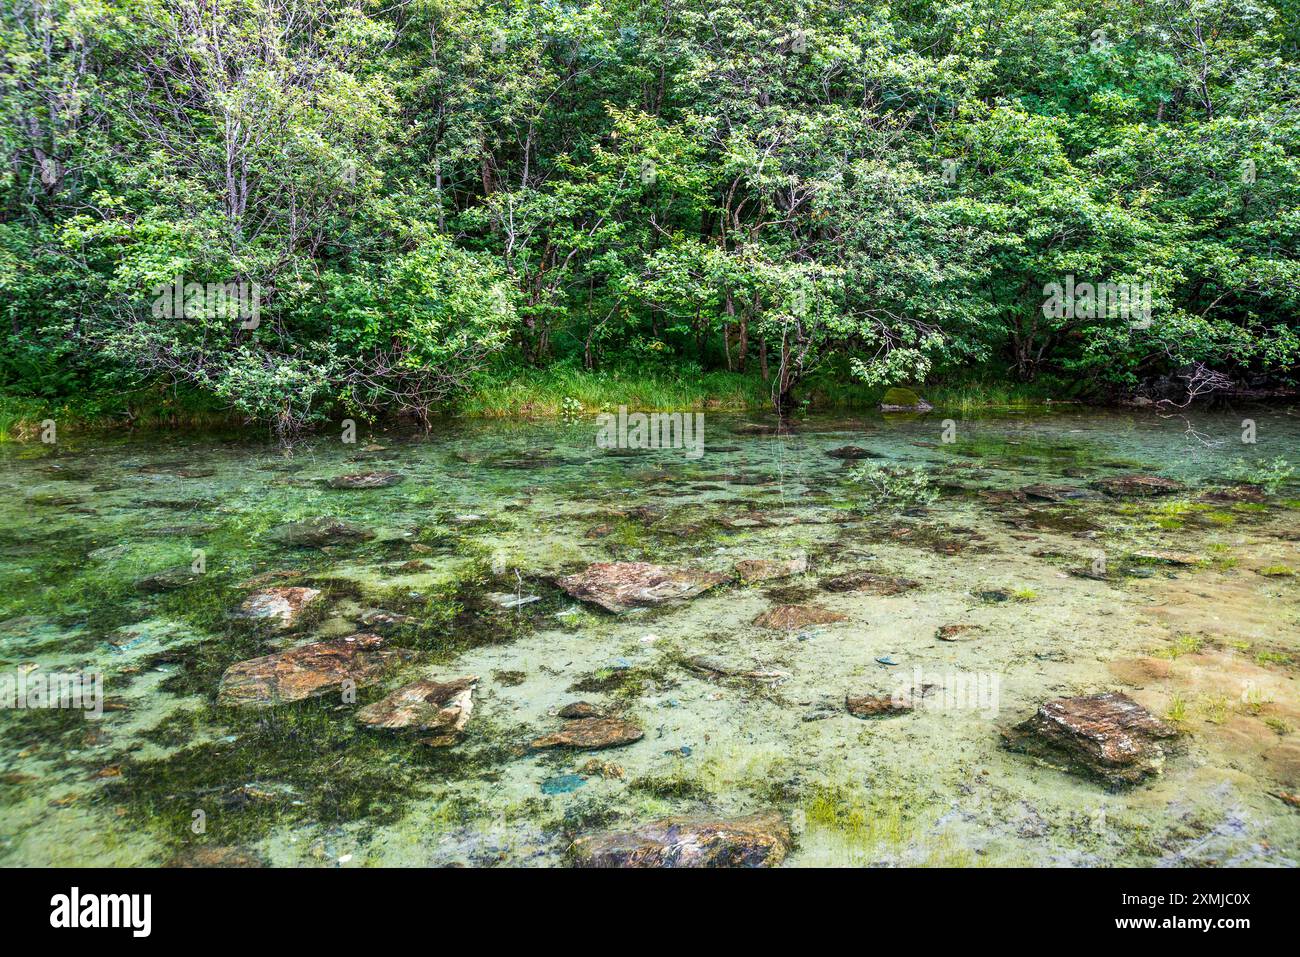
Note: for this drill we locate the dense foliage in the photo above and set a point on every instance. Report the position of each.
(414, 191)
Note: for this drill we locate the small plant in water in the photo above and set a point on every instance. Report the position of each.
(1268, 475)
(570, 409)
(1183, 645)
(1278, 726)
(899, 487)
(1177, 711)
(1215, 708)
(1277, 571)
(1272, 658)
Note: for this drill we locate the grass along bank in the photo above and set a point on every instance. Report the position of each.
(534, 393)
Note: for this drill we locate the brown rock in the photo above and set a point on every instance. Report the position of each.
(581, 709)
(1058, 493)
(592, 733)
(443, 707)
(877, 705)
(307, 671)
(317, 532)
(266, 578)
(870, 582)
(957, 632)
(621, 586)
(1109, 736)
(361, 480)
(759, 840)
(606, 769)
(725, 669)
(169, 579)
(796, 617)
(852, 452)
(216, 857)
(282, 605)
(1141, 486)
(761, 569)
(1160, 556)
(1237, 493)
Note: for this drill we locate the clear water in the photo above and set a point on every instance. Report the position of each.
(1214, 647)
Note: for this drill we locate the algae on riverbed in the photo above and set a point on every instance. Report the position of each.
(1052, 597)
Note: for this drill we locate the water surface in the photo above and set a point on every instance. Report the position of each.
(490, 509)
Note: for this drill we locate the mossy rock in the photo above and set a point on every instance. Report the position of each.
(903, 400)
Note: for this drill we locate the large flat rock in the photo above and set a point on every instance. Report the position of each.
(441, 708)
(308, 671)
(364, 480)
(762, 569)
(591, 734)
(1138, 486)
(622, 586)
(797, 617)
(759, 840)
(1109, 736)
(315, 532)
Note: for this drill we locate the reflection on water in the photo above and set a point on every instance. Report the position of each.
(970, 572)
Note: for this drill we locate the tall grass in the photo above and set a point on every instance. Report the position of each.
(543, 392)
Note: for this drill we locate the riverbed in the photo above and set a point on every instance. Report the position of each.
(976, 567)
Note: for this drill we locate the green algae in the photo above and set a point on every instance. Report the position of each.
(293, 779)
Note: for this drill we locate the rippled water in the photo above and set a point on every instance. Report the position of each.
(488, 510)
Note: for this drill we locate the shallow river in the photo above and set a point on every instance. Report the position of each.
(128, 558)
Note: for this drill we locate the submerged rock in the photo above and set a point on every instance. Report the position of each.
(1251, 494)
(1164, 556)
(761, 569)
(1058, 493)
(308, 670)
(176, 470)
(710, 665)
(877, 705)
(266, 578)
(168, 579)
(750, 520)
(443, 707)
(606, 769)
(1109, 736)
(592, 734)
(852, 453)
(380, 619)
(870, 582)
(216, 857)
(763, 428)
(759, 840)
(361, 480)
(283, 604)
(621, 586)
(797, 617)
(1141, 486)
(315, 532)
(581, 709)
(957, 632)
